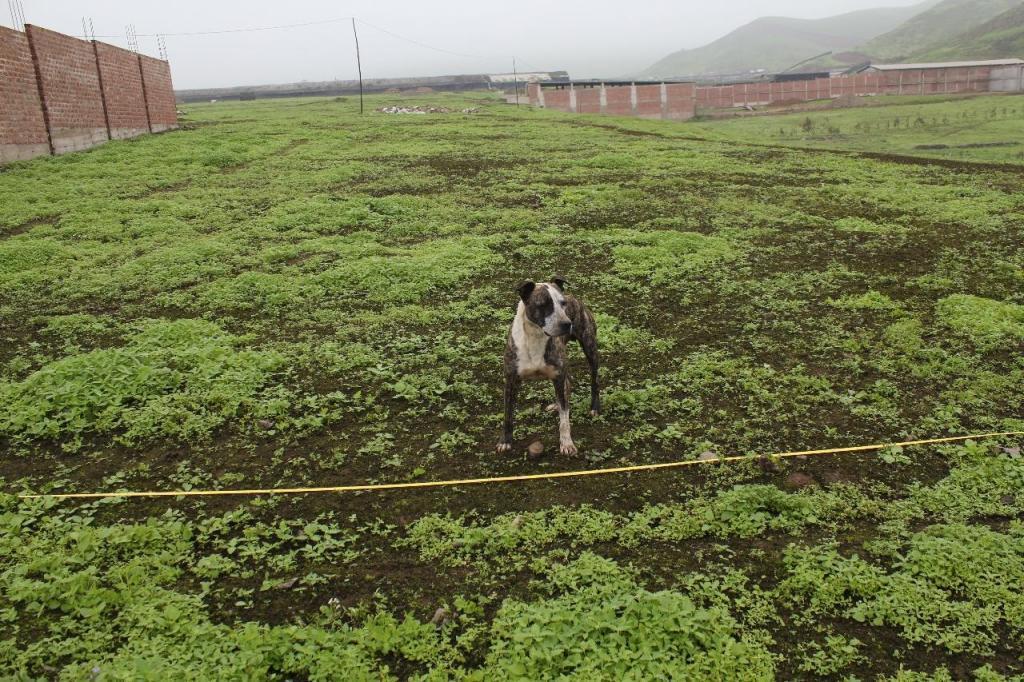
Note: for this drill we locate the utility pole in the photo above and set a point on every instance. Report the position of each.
(515, 77)
(359, 64)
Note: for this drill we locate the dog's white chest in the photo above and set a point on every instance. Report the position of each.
(531, 348)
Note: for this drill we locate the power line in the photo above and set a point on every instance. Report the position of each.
(133, 36)
(321, 22)
(430, 47)
(238, 30)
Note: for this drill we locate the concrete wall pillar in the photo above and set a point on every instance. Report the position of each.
(632, 97)
(604, 99)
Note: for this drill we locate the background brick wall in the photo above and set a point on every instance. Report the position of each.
(648, 101)
(683, 100)
(70, 83)
(588, 100)
(156, 76)
(22, 128)
(619, 101)
(122, 91)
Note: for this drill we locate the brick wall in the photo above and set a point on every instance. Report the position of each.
(156, 76)
(122, 91)
(60, 94)
(70, 84)
(648, 101)
(588, 100)
(682, 100)
(22, 128)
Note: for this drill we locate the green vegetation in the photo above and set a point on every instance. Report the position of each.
(777, 43)
(289, 294)
(934, 28)
(963, 129)
(999, 38)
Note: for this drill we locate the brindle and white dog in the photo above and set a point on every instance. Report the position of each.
(546, 320)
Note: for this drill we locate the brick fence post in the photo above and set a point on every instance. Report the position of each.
(39, 86)
(103, 95)
(145, 97)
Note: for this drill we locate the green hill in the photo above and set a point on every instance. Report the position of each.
(995, 39)
(941, 23)
(776, 43)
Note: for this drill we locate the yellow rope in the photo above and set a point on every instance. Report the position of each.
(510, 479)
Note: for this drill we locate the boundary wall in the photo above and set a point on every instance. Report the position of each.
(681, 101)
(60, 94)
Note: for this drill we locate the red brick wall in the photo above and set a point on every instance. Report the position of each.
(60, 94)
(588, 100)
(648, 101)
(619, 101)
(22, 128)
(122, 91)
(156, 76)
(70, 84)
(682, 104)
(557, 99)
(682, 99)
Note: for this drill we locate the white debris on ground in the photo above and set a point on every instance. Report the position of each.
(424, 110)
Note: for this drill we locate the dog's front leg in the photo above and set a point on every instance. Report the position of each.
(511, 391)
(562, 389)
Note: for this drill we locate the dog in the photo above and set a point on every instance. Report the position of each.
(546, 320)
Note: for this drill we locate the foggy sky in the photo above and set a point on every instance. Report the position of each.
(589, 38)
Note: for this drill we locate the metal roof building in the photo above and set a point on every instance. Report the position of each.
(946, 65)
(988, 75)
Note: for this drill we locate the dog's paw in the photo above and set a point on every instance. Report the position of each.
(568, 448)
(502, 448)
(553, 407)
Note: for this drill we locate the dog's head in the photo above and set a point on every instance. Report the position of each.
(545, 306)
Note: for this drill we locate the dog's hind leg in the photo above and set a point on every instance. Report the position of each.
(589, 345)
(562, 389)
(511, 391)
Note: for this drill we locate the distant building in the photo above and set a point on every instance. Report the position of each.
(991, 75)
(507, 81)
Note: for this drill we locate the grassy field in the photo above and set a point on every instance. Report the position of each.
(984, 129)
(287, 294)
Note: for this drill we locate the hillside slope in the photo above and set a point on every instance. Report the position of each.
(938, 24)
(776, 43)
(995, 39)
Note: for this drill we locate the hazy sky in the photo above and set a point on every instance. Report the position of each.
(586, 37)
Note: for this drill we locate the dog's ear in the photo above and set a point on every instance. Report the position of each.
(525, 289)
(559, 282)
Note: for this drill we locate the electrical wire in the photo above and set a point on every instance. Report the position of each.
(251, 29)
